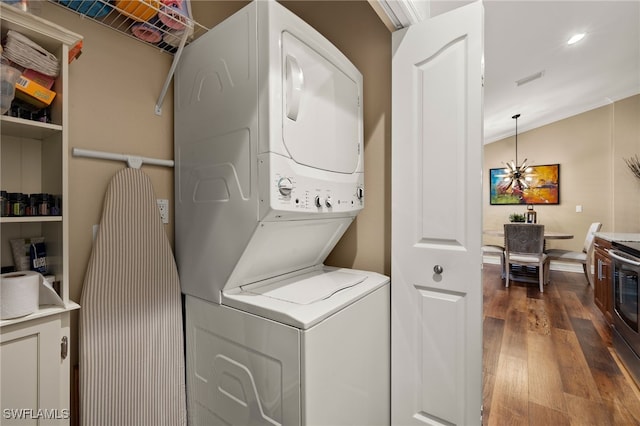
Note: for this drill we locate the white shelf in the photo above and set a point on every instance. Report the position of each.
(30, 219)
(34, 153)
(19, 127)
(43, 311)
(48, 34)
(34, 159)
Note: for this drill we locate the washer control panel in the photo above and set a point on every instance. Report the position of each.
(300, 193)
(293, 188)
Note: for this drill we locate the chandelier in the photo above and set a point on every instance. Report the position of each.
(517, 176)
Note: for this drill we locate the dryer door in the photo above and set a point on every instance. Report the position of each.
(322, 117)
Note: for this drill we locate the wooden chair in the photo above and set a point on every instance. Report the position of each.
(524, 245)
(583, 257)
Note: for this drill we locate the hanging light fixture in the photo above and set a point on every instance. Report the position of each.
(517, 176)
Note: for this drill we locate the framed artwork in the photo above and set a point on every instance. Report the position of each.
(543, 187)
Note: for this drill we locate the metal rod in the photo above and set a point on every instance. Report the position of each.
(174, 64)
(132, 161)
(516, 118)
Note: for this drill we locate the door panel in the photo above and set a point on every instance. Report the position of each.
(438, 307)
(436, 220)
(321, 126)
(441, 145)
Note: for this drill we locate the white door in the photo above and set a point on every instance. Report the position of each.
(436, 265)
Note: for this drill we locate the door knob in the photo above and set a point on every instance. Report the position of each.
(438, 269)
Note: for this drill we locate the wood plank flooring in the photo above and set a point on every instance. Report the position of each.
(548, 357)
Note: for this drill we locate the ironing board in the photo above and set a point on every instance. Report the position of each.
(131, 335)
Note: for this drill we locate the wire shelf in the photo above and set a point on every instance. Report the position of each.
(162, 24)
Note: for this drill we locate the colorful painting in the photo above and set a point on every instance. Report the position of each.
(543, 187)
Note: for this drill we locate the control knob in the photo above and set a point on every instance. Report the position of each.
(285, 186)
(318, 201)
(328, 202)
(360, 193)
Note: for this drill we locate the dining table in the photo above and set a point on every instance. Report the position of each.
(548, 235)
(526, 274)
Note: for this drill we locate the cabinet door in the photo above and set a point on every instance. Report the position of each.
(602, 283)
(32, 374)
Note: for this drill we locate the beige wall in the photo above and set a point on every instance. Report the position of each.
(357, 31)
(589, 148)
(626, 187)
(114, 86)
(113, 89)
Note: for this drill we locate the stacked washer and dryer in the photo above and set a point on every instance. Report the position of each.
(269, 175)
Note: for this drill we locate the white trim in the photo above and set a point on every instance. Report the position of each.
(401, 13)
(34, 23)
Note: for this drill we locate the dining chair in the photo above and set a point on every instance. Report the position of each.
(524, 245)
(498, 251)
(583, 257)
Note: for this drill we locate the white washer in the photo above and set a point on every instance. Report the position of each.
(269, 175)
(285, 359)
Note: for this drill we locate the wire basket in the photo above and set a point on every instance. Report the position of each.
(160, 23)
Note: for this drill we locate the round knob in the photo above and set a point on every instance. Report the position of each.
(285, 186)
(318, 201)
(360, 193)
(438, 269)
(327, 202)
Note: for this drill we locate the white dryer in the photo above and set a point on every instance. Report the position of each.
(269, 175)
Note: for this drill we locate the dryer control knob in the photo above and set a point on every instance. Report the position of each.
(360, 193)
(328, 202)
(318, 201)
(285, 186)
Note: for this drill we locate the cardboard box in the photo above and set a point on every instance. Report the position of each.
(43, 80)
(34, 93)
(75, 51)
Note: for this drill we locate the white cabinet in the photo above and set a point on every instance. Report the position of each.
(35, 371)
(34, 374)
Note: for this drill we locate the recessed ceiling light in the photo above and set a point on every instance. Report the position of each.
(575, 38)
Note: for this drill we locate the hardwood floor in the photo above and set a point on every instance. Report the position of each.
(548, 357)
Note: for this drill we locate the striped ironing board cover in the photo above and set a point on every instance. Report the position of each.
(131, 335)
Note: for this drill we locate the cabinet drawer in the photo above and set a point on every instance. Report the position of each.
(601, 244)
